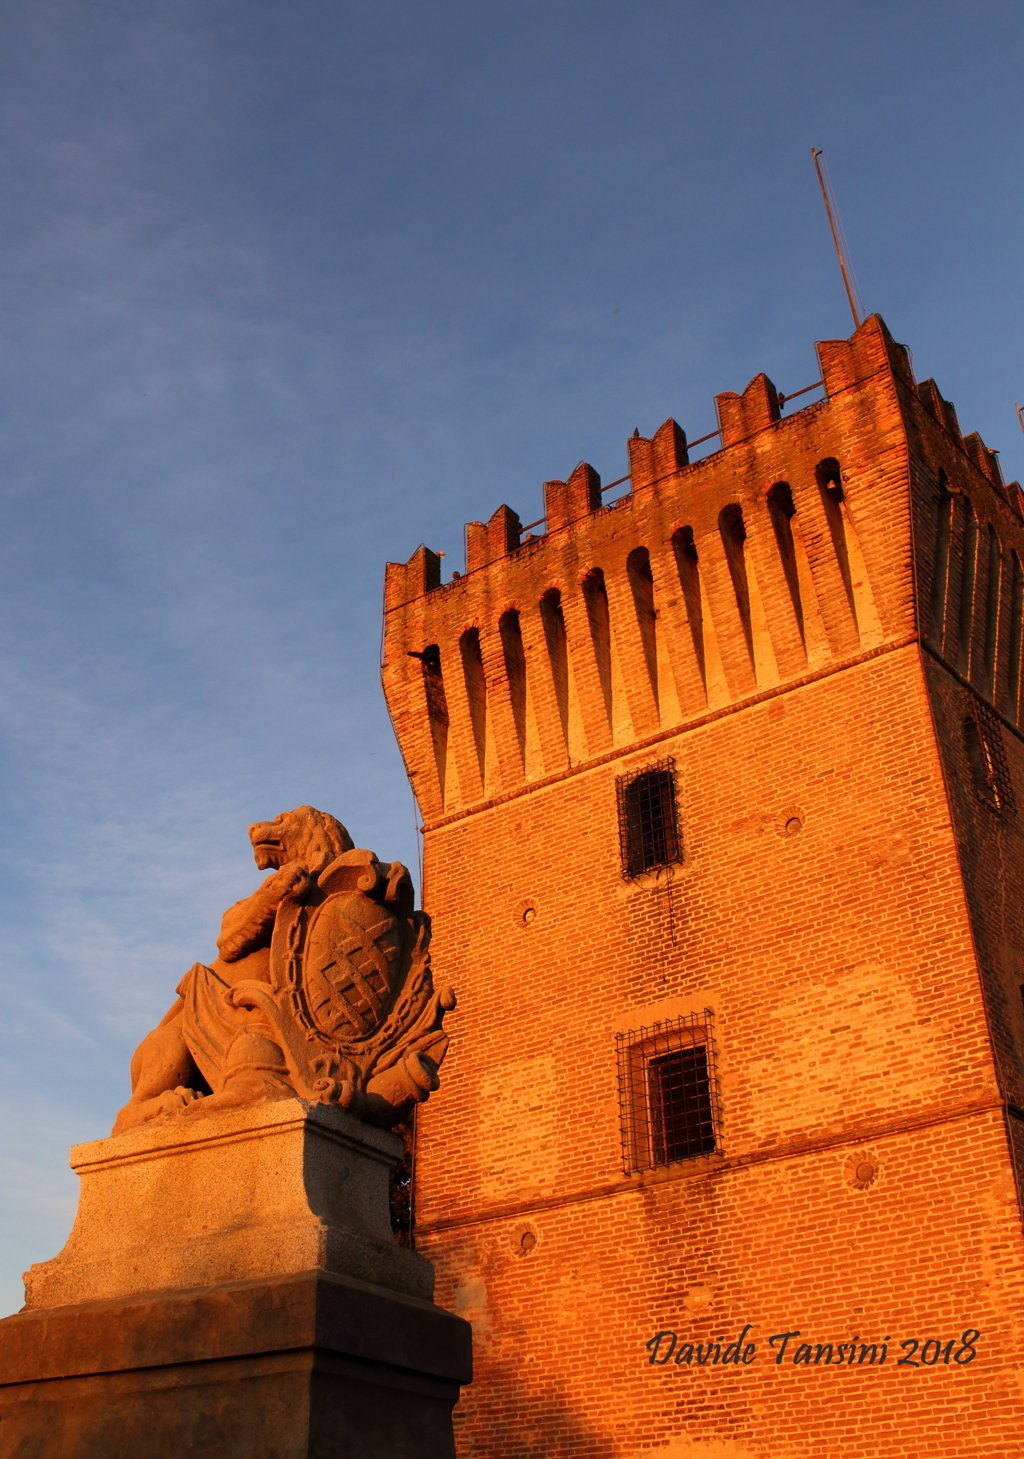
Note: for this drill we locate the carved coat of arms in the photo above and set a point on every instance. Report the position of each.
(322, 989)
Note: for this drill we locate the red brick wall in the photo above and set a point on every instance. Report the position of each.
(971, 615)
(837, 909)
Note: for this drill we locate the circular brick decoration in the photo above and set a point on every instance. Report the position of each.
(790, 822)
(862, 1170)
(525, 913)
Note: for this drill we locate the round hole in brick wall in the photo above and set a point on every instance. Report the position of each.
(527, 1241)
(862, 1170)
(790, 822)
(525, 913)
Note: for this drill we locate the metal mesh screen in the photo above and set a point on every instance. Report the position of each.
(648, 824)
(987, 755)
(668, 1092)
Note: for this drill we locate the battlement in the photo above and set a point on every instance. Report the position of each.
(800, 543)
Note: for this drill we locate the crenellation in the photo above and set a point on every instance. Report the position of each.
(942, 410)
(670, 450)
(985, 460)
(656, 460)
(661, 456)
(930, 396)
(640, 450)
(406, 581)
(871, 350)
(740, 416)
(486, 542)
(566, 502)
(785, 552)
(477, 554)
(972, 449)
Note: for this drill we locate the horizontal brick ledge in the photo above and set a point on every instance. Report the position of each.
(714, 1167)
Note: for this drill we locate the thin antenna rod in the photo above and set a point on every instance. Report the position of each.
(1020, 414)
(816, 153)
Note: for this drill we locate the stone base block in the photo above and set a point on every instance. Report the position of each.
(232, 1290)
(308, 1366)
(223, 1196)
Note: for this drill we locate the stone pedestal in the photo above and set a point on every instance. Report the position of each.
(232, 1289)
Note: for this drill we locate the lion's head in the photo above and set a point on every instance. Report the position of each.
(306, 835)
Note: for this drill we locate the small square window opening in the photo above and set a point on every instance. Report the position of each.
(648, 824)
(668, 1092)
(680, 1099)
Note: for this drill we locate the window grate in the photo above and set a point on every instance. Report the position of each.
(668, 1092)
(648, 824)
(987, 755)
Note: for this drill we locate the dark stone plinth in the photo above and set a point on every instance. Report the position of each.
(309, 1366)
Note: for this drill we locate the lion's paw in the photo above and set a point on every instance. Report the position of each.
(173, 1100)
(292, 880)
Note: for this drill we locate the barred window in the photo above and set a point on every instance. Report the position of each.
(648, 825)
(668, 1092)
(987, 757)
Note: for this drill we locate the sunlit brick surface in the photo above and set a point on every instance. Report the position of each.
(849, 907)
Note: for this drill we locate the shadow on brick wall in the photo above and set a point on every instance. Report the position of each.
(541, 1426)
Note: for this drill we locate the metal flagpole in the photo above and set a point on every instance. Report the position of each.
(816, 153)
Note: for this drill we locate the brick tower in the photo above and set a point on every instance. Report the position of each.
(719, 785)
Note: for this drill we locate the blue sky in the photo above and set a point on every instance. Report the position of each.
(288, 289)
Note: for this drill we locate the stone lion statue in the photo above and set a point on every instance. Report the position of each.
(322, 988)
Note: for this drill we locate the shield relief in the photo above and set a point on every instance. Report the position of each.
(351, 998)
